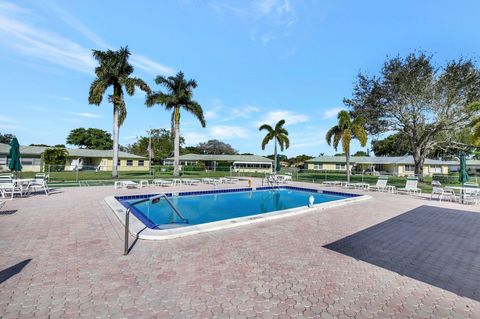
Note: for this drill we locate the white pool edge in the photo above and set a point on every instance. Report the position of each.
(138, 229)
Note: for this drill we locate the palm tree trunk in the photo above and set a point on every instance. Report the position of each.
(116, 92)
(275, 157)
(176, 143)
(347, 155)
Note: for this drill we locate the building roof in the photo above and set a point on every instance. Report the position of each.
(223, 158)
(377, 160)
(72, 152)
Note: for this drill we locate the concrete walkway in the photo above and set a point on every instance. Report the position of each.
(61, 257)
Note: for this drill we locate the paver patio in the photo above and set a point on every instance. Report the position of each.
(61, 257)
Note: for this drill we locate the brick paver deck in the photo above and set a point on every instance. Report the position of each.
(61, 257)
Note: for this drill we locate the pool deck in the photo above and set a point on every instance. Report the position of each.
(61, 257)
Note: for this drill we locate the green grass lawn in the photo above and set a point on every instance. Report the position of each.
(91, 178)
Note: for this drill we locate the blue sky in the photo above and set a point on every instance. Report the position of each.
(255, 61)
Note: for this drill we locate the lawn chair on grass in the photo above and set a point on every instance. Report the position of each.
(410, 186)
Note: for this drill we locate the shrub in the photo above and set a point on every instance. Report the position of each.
(56, 158)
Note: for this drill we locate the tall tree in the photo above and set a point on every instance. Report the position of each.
(162, 144)
(90, 138)
(115, 71)
(393, 145)
(345, 131)
(420, 100)
(216, 147)
(178, 96)
(279, 135)
(6, 138)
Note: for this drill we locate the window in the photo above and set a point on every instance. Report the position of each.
(3, 161)
(28, 161)
(435, 169)
(129, 162)
(141, 163)
(317, 166)
(119, 163)
(340, 166)
(409, 168)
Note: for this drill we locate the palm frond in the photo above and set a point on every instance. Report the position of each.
(265, 127)
(196, 110)
(360, 134)
(331, 133)
(131, 83)
(266, 140)
(343, 119)
(279, 125)
(97, 90)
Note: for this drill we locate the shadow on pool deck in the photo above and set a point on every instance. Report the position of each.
(13, 270)
(438, 246)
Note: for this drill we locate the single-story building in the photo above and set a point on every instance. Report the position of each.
(238, 163)
(395, 165)
(78, 159)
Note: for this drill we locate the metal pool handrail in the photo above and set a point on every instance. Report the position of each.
(154, 199)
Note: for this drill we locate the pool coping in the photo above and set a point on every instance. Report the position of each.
(138, 229)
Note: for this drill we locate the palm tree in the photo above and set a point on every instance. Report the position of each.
(179, 96)
(279, 135)
(346, 130)
(114, 70)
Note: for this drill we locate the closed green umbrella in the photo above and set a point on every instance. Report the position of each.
(463, 175)
(14, 163)
(277, 165)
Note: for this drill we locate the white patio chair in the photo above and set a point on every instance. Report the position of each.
(8, 186)
(39, 182)
(442, 193)
(381, 184)
(410, 186)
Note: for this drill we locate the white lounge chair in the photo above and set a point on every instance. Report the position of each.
(231, 180)
(126, 184)
(381, 184)
(39, 182)
(410, 186)
(162, 182)
(8, 186)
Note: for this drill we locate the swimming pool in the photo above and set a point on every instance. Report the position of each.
(202, 211)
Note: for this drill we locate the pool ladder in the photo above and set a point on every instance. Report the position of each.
(154, 200)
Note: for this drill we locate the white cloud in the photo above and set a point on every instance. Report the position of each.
(150, 66)
(32, 40)
(331, 113)
(244, 112)
(219, 113)
(41, 44)
(266, 19)
(193, 138)
(228, 132)
(290, 118)
(89, 115)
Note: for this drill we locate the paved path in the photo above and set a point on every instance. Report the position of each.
(61, 257)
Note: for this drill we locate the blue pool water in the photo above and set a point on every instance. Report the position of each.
(199, 209)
